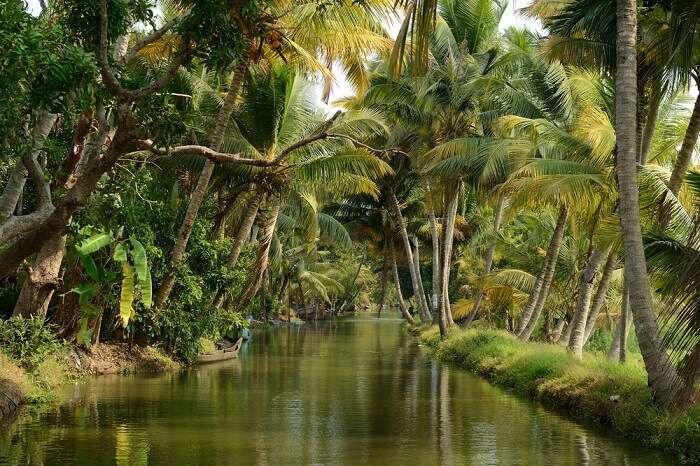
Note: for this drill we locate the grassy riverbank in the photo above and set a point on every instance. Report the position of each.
(37, 382)
(592, 390)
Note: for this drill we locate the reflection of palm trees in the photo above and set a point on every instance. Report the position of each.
(445, 418)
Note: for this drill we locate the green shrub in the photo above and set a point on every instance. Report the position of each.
(29, 341)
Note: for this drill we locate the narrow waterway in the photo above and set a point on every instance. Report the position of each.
(348, 392)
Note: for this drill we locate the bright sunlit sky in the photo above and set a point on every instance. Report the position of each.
(342, 89)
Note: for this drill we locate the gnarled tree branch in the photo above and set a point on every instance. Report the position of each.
(214, 156)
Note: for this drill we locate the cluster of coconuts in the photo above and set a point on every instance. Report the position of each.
(274, 39)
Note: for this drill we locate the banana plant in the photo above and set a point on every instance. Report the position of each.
(127, 259)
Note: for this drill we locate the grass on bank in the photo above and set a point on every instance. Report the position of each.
(592, 389)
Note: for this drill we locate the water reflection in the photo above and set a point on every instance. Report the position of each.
(355, 392)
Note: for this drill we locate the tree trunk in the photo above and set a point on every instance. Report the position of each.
(583, 303)
(448, 227)
(550, 264)
(401, 226)
(183, 236)
(399, 296)
(618, 346)
(488, 260)
(416, 265)
(263, 257)
(600, 295)
(685, 154)
(245, 228)
(42, 279)
(18, 176)
(436, 257)
(556, 333)
(650, 123)
(200, 190)
(13, 190)
(661, 374)
(76, 197)
(239, 241)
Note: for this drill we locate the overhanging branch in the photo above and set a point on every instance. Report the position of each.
(210, 154)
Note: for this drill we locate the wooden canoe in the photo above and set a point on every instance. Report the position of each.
(222, 354)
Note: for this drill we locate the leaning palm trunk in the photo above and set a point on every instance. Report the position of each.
(263, 257)
(245, 229)
(550, 264)
(583, 302)
(600, 295)
(200, 190)
(488, 260)
(683, 161)
(399, 296)
(661, 373)
(650, 123)
(421, 303)
(448, 238)
(241, 237)
(686, 152)
(42, 278)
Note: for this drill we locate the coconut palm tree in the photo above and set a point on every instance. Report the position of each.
(299, 35)
(659, 369)
(312, 156)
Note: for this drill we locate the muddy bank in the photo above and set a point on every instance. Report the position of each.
(19, 386)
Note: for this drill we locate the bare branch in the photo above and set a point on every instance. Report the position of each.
(321, 133)
(374, 150)
(214, 156)
(131, 54)
(110, 79)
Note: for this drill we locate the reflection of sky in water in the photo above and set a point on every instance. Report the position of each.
(347, 393)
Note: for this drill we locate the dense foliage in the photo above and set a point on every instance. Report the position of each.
(171, 168)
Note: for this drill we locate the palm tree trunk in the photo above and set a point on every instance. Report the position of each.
(550, 264)
(436, 256)
(685, 154)
(618, 346)
(661, 373)
(241, 237)
(488, 260)
(263, 258)
(200, 190)
(446, 262)
(401, 226)
(399, 296)
(600, 295)
(650, 123)
(416, 265)
(245, 229)
(556, 333)
(583, 302)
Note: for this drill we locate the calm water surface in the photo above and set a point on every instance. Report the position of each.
(349, 392)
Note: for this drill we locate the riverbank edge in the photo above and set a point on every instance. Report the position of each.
(593, 390)
(19, 387)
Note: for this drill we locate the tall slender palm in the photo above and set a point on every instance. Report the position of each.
(659, 368)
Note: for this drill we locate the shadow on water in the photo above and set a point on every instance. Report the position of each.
(344, 392)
